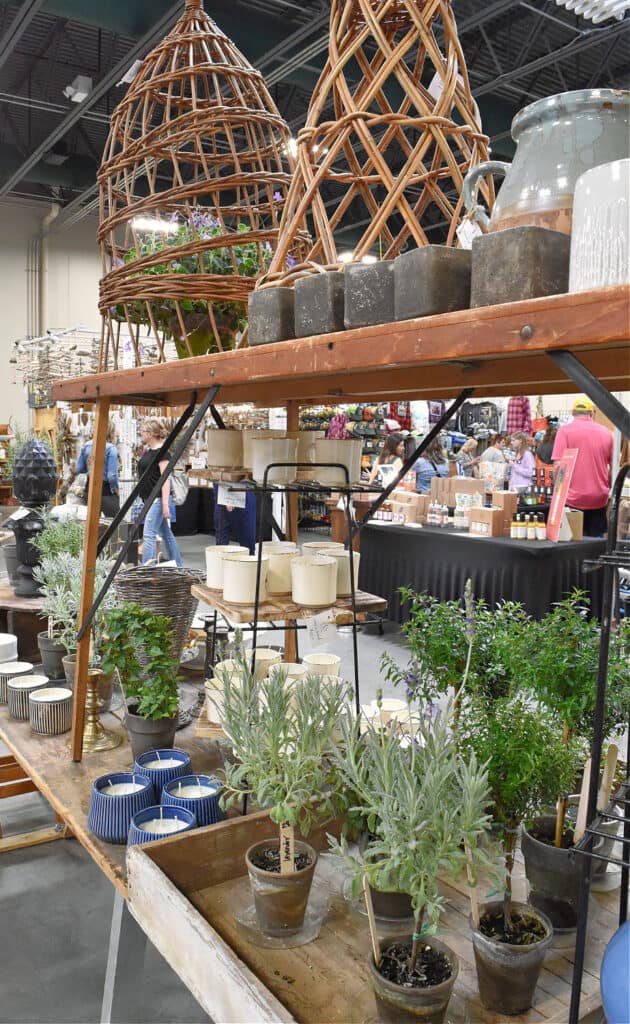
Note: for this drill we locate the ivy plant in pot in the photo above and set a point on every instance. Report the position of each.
(281, 732)
(426, 807)
(137, 642)
(560, 655)
(527, 761)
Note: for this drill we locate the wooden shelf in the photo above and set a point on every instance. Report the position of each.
(498, 350)
(278, 609)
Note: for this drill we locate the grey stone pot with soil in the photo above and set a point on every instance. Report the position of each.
(104, 688)
(398, 1004)
(52, 653)
(508, 974)
(280, 900)
(149, 734)
(10, 560)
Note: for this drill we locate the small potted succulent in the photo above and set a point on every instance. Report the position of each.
(559, 655)
(527, 762)
(426, 806)
(281, 730)
(138, 643)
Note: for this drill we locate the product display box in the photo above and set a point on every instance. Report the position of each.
(508, 501)
(486, 522)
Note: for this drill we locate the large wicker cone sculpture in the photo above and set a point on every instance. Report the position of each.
(405, 130)
(197, 145)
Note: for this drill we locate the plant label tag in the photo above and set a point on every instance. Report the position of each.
(287, 848)
(319, 629)
(467, 230)
(20, 513)
(235, 499)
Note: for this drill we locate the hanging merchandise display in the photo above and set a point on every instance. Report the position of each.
(395, 155)
(192, 186)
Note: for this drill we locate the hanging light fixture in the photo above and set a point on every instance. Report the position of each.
(597, 10)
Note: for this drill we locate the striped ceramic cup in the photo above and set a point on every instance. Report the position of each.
(9, 669)
(50, 710)
(18, 691)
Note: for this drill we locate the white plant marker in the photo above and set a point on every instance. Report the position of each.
(580, 824)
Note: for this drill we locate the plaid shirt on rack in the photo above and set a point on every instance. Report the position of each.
(519, 416)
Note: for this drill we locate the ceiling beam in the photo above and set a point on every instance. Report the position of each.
(27, 11)
(101, 89)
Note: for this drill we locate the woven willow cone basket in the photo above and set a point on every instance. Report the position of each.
(391, 132)
(193, 181)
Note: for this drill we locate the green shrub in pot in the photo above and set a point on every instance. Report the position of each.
(281, 733)
(137, 643)
(527, 761)
(426, 807)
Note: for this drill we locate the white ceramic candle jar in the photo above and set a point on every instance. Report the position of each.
(225, 448)
(322, 664)
(214, 562)
(344, 588)
(239, 578)
(279, 570)
(314, 579)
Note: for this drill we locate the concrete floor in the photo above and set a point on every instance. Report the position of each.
(55, 904)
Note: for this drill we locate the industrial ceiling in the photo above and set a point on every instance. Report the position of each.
(50, 147)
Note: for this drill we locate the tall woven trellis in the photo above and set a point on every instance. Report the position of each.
(192, 185)
(392, 159)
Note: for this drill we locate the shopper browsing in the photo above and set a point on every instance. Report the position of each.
(432, 462)
(110, 502)
(523, 465)
(158, 518)
(590, 483)
(495, 452)
(390, 455)
(467, 459)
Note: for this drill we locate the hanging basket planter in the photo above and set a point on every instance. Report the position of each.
(193, 182)
(406, 130)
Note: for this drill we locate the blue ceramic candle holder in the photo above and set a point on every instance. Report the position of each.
(114, 801)
(158, 822)
(197, 793)
(160, 776)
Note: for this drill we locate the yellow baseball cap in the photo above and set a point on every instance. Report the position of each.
(583, 405)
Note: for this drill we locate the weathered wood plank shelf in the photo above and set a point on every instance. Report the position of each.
(279, 608)
(498, 350)
(189, 880)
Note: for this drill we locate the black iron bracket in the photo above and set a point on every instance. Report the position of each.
(176, 455)
(591, 386)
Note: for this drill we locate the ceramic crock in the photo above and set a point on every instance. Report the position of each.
(557, 139)
(600, 242)
(225, 448)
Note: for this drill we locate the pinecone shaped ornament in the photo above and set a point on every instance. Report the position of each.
(391, 132)
(34, 474)
(194, 178)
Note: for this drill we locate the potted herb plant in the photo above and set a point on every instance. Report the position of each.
(138, 643)
(281, 732)
(527, 762)
(426, 806)
(560, 656)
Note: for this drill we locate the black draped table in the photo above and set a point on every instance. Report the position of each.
(439, 561)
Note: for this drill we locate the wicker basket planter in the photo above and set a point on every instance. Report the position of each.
(165, 591)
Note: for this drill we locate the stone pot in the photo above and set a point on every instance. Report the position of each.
(52, 653)
(396, 1004)
(558, 138)
(147, 734)
(225, 448)
(201, 334)
(390, 905)
(280, 900)
(10, 560)
(507, 974)
(104, 686)
(553, 875)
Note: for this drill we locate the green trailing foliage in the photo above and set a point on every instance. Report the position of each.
(138, 643)
(281, 733)
(426, 806)
(60, 536)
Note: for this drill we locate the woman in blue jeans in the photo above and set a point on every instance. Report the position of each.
(158, 518)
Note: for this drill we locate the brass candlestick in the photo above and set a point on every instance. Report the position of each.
(95, 736)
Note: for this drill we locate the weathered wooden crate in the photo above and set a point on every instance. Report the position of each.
(179, 892)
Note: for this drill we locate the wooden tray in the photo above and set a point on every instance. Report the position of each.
(180, 892)
(277, 608)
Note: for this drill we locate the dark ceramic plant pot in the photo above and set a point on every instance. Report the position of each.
(280, 900)
(104, 686)
(553, 875)
(52, 654)
(10, 560)
(147, 734)
(391, 905)
(507, 974)
(396, 1004)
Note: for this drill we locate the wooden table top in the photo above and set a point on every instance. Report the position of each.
(67, 784)
(9, 599)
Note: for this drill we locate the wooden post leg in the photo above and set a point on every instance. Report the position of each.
(87, 582)
(293, 424)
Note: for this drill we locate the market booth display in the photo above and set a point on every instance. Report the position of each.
(227, 828)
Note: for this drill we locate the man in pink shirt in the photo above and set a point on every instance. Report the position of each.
(590, 484)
